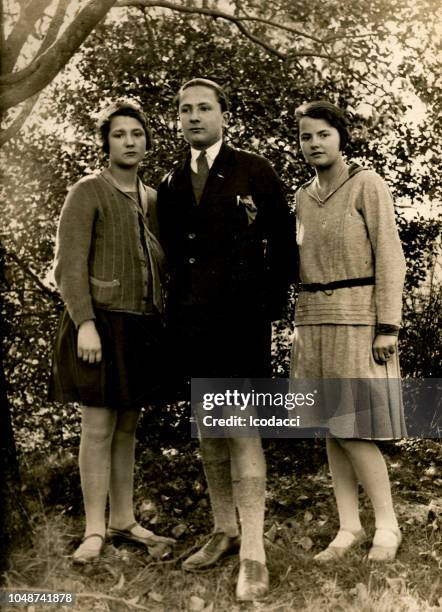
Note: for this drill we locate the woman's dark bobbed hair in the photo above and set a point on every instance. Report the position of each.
(122, 107)
(322, 109)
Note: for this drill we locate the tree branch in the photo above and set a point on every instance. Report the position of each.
(54, 53)
(259, 41)
(49, 39)
(279, 26)
(2, 35)
(238, 20)
(193, 10)
(44, 68)
(18, 122)
(54, 26)
(57, 56)
(29, 15)
(210, 12)
(53, 295)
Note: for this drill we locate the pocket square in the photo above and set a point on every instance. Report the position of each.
(249, 205)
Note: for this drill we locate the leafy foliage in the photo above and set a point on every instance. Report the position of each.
(160, 52)
(422, 335)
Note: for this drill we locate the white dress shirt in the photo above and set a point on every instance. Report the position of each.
(211, 153)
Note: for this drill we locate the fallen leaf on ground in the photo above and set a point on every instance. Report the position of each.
(156, 596)
(178, 530)
(196, 604)
(120, 584)
(397, 584)
(292, 523)
(270, 534)
(112, 571)
(306, 543)
(147, 509)
(432, 471)
(307, 516)
(361, 591)
(159, 551)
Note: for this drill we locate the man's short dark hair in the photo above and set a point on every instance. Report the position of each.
(199, 82)
(335, 116)
(122, 107)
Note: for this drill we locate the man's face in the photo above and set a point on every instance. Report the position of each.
(127, 141)
(201, 116)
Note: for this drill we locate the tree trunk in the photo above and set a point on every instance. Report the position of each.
(13, 520)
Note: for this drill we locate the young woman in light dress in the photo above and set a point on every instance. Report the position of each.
(347, 319)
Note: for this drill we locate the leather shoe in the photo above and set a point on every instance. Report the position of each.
(219, 546)
(253, 581)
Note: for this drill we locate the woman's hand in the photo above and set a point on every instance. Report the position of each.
(88, 343)
(384, 347)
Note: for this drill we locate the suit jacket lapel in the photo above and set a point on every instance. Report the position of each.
(219, 172)
(183, 181)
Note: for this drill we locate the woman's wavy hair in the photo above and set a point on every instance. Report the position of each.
(122, 107)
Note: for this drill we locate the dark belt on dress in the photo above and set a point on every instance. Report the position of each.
(346, 282)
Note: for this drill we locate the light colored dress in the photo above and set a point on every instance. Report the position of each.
(350, 235)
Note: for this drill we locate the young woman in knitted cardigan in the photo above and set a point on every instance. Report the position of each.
(108, 349)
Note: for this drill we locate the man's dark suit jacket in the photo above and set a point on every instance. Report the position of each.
(231, 259)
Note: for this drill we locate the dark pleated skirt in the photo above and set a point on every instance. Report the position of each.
(132, 370)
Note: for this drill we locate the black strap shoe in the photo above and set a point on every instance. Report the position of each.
(128, 535)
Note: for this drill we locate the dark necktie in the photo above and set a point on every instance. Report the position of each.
(200, 178)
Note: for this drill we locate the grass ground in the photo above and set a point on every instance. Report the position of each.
(301, 519)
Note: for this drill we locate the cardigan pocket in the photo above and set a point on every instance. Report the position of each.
(104, 292)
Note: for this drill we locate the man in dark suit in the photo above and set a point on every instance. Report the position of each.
(230, 243)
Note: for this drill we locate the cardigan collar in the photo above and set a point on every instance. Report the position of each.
(107, 175)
